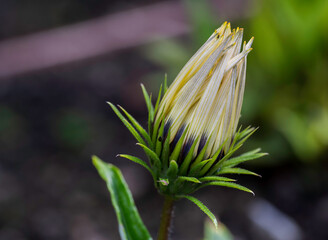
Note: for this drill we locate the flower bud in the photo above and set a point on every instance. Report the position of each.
(192, 131)
(206, 97)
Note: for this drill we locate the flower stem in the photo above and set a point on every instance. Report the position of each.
(166, 219)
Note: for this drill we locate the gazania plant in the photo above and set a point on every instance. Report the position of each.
(193, 131)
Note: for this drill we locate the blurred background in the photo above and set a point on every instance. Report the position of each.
(61, 60)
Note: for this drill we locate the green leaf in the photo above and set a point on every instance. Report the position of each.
(237, 171)
(127, 124)
(202, 207)
(188, 179)
(136, 160)
(219, 233)
(137, 126)
(130, 224)
(216, 178)
(227, 184)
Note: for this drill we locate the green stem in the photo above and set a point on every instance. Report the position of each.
(166, 219)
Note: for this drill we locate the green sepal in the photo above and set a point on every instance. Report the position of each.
(131, 226)
(177, 149)
(227, 184)
(158, 99)
(208, 165)
(186, 161)
(212, 160)
(141, 130)
(136, 160)
(236, 171)
(216, 178)
(127, 124)
(166, 151)
(152, 155)
(243, 158)
(200, 156)
(165, 83)
(159, 140)
(246, 132)
(158, 121)
(188, 179)
(172, 172)
(202, 207)
(234, 147)
(149, 107)
(195, 170)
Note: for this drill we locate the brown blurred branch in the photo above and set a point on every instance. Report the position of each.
(91, 38)
(99, 36)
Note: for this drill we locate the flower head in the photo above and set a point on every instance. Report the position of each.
(192, 131)
(206, 96)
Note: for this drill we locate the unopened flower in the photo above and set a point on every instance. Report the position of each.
(206, 97)
(192, 131)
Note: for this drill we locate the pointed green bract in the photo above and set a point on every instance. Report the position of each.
(155, 129)
(200, 156)
(136, 160)
(202, 207)
(130, 224)
(127, 124)
(206, 168)
(188, 179)
(227, 184)
(137, 126)
(149, 107)
(237, 171)
(134, 132)
(240, 159)
(177, 149)
(159, 140)
(158, 99)
(216, 178)
(166, 151)
(186, 162)
(173, 169)
(165, 83)
(234, 147)
(195, 170)
(153, 156)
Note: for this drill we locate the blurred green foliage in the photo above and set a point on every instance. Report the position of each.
(72, 129)
(12, 128)
(287, 89)
(219, 233)
(289, 73)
